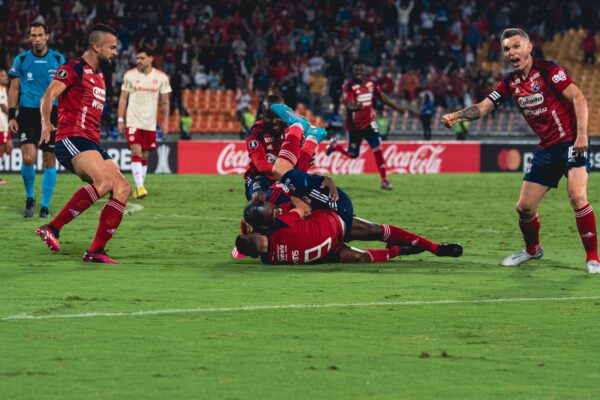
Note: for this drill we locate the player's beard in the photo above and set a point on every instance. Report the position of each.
(105, 63)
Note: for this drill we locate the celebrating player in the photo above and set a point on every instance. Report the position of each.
(31, 73)
(81, 87)
(358, 96)
(142, 86)
(557, 112)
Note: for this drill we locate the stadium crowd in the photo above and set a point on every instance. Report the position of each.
(301, 48)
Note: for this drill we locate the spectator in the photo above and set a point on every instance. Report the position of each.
(589, 48)
(404, 11)
(317, 86)
(201, 78)
(426, 112)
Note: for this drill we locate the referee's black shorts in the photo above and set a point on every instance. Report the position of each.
(30, 127)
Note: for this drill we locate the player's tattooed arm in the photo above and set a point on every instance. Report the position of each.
(470, 113)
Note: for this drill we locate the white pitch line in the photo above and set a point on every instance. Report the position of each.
(293, 306)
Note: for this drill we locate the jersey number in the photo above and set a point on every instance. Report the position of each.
(317, 251)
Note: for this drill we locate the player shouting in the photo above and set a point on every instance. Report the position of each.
(141, 89)
(81, 89)
(557, 112)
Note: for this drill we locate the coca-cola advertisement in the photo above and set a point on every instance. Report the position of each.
(231, 157)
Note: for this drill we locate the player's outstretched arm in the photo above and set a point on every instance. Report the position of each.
(470, 113)
(55, 89)
(388, 102)
(574, 94)
(121, 111)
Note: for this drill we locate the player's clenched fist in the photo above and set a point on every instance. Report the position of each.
(450, 119)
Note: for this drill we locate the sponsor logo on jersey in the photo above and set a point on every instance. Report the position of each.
(62, 74)
(364, 97)
(282, 252)
(560, 76)
(515, 82)
(29, 76)
(253, 144)
(534, 77)
(88, 71)
(530, 101)
(269, 139)
(99, 93)
(535, 86)
(535, 113)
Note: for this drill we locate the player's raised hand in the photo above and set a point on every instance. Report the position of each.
(47, 129)
(450, 119)
(329, 184)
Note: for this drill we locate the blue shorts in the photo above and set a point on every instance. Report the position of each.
(255, 184)
(551, 163)
(69, 147)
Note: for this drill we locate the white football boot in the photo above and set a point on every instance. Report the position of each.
(520, 257)
(593, 267)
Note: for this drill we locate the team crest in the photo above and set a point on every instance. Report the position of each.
(535, 86)
(62, 74)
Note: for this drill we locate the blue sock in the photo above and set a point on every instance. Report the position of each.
(48, 184)
(28, 175)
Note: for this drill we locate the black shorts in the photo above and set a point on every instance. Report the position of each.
(69, 147)
(30, 127)
(370, 134)
(549, 164)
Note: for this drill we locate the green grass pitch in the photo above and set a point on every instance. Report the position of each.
(385, 331)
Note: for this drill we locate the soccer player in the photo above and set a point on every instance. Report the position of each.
(358, 96)
(31, 73)
(5, 139)
(141, 89)
(556, 110)
(81, 89)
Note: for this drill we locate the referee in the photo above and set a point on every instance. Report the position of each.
(31, 73)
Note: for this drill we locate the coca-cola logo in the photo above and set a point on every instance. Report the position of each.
(232, 161)
(337, 163)
(425, 159)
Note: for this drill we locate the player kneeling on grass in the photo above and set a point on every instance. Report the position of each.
(556, 110)
(81, 88)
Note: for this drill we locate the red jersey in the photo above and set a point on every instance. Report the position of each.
(263, 148)
(294, 240)
(80, 105)
(540, 99)
(363, 95)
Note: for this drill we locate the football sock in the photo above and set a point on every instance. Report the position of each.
(395, 235)
(28, 175)
(383, 255)
(586, 225)
(137, 171)
(48, 183)
(306, 153)
(530, 228)
(144, 168)
(341, 149)
(380, 162)
(81, 201)
(110, 218)
(290, 148)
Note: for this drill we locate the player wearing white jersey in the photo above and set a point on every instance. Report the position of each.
(5, 139)
(141, 89)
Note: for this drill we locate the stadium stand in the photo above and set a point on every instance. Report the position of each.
(212, 49)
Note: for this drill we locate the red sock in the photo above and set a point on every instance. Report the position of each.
(341, 149)
(290, 148)
(380, 162)
(530, 228)
(110, 218)
(586, 225)
(306, 153)
(383, 255)
(82, 199)
(393, 234)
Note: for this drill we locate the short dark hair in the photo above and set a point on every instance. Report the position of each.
(246, 244)
(510, 32)
(92, 35)
(254, 214)
(270, 100)
(143, 49)
(36, 24)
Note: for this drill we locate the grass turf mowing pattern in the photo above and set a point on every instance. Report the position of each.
(175, 254)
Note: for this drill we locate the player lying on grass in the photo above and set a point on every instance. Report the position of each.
(556, 110)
